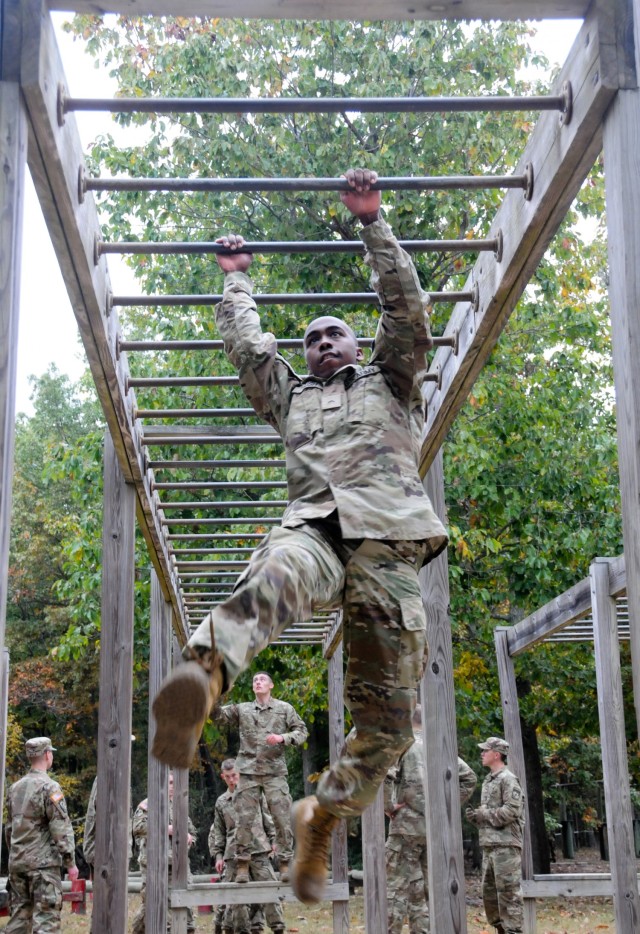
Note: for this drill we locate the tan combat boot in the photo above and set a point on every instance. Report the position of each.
(242, 871)
(284, 870)
(312, 826)
(182, 705)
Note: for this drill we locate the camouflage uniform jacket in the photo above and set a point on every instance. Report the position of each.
(352, 441)
(89, 836)
(405, 785)
(500, 817)
(39, 834)
(139, 828)
(222, 835)
(254, 723)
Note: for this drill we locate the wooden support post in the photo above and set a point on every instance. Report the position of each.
(622, 182)
(179, 841)
(513, 735)
(158, 815)
(13, 155)
(339, 861)
(447, 909)
(615, 767)
(375, 870)
(114, 712)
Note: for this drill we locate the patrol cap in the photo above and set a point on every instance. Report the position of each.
(37, 746)
(495, 744)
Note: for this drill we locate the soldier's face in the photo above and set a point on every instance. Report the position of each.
(262, 684)
(230, 778)
(329, 344)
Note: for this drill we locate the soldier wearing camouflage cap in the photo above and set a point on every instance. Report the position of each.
(358, 528)
(500, 822)
(40, 840)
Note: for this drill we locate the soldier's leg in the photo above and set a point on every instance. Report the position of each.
(262, 870)
(246, 802)
(418, 901)
(508, 874)
(258, 923)
(138, 926)
(384, 634)
(276, 790)
(397, 883)
(290, 572)
(21, 903)
(489, 892)
(47, 901)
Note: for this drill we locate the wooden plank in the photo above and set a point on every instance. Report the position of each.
(13, 151)
(179, 840)
(621, 138)
(115, 705)
(55, 156)
(615, 768)
(375, 870)
(561, 156)
(447, 908)
(339, 856)
(331, 9)
(253, 893)
(157, 772)
(556, 887)
(513, 735)
(333, 637)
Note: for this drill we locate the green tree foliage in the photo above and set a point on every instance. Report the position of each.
(530, 463)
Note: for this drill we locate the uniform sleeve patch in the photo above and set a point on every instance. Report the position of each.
(56, 796)
(516, 794)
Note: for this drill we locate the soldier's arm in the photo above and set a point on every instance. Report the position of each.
(297, 731)
(511, 808)
(227, 714)
(219, 833)
(7, 827)
(467, 779)
(60, 828)
(139, 825)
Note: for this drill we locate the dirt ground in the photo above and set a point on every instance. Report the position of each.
(554, 916)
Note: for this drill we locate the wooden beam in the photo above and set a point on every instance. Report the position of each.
(116, 694)
(333, 638)
(561, 157)
(615, 767)
(560, 612)
(513, 735)
(253, 893)
(331, 9)
(447, 910)
(55, 156)
(339, 855)
(374, 866)
(13, 152)
(621, 139)
(180, 848)
(158, 773)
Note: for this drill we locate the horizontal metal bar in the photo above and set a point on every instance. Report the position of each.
(191, 247)
(230, 520)
(274, 298)
(224, 485)
(435, 183)
(279, 105)
(213, 464)
(220, 537)
(141, 381)
(195, 413)
(228, 504)
(203, 439)
(198, 566)
(179, 552)
(294, 343)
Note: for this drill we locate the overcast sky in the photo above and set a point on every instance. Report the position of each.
(48, 331)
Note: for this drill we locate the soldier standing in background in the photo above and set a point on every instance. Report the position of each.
(40, 839)
(266, 727)
(406, 848)
(500, 822)
(242, 919)
(140, 836)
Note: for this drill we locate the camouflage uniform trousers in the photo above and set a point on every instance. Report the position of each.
(246, 803)
(376, 584)
(251, 919)
(502, 887)
(139, 926)
(407, 883)
(36, 901)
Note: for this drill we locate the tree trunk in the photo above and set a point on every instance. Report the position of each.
(539, 840)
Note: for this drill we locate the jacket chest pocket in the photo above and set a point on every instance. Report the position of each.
(370, 400)
(304, 418)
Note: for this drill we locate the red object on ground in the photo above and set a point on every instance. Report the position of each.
(77, 896)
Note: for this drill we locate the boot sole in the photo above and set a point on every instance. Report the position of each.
(180, 707)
